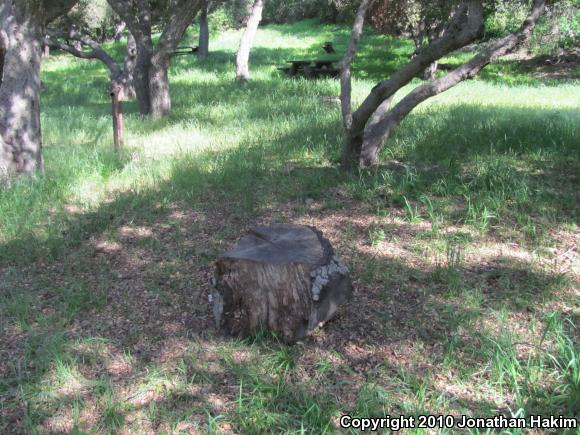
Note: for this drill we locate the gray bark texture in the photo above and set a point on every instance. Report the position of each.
(151, 77)
(203, 50)
(243, 56)
(159, 85)
(370, 125)
(127, 78)
(282, 278)
(21, 36)
(354, 136)
(141, 75)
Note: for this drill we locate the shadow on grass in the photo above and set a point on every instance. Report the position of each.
(138, 279)
(506, 162)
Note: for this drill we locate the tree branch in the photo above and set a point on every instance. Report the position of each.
(346, 64)
(377, 133)
(182, 15)
(97, 52)
(243, 55)
(465, 26)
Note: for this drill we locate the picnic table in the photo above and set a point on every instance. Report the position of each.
(311, 69)
(186, 50)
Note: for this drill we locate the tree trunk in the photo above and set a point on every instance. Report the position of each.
(21, 146)
(358, 139)
(464, 27)
(374, 138)
(243, 56)
(377, 133)
(21, 37)
(160, 99)
(203, 50)
(353, 132)
(129, 67)
(373, 121)
(141, 76)
(151, 75)
(352, 148)
(283, 278)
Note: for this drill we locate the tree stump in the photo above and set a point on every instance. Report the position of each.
(283, 278)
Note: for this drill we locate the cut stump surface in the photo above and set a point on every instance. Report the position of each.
(284, 278)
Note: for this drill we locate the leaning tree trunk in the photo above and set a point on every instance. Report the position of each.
(374, 120)
(20, 138)
(353, 142)
(353, 133)
(378, 132)
(431, 34)
(243, 56)
(282, 278)
(203, 50)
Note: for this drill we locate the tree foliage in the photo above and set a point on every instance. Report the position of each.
(94, 18)
(91, 14)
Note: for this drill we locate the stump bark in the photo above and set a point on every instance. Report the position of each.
(283, 278)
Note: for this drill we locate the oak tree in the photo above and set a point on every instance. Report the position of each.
(243, 56)
(371, 124)
(22, 25)
(151, 78)
(203, 49)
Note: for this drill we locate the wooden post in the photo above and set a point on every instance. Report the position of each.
(120, 122)
(2, 55)
(117, 106)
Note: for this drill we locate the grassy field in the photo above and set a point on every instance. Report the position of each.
(463, 245)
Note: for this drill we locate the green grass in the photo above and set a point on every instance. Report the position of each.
(460, 241)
